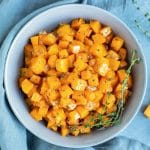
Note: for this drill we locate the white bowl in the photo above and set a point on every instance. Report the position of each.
(48, 20)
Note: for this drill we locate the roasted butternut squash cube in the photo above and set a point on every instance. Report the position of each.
(71, 59)
(101, 110)
(63, 53)
(92, 62)
(83, 56)
(92, 105)
(59, 116)
(39, 50)
(48, 39)
(111, 109)
(84, 129)
(26, 86)
(51, 122)
(53, 82)
(75, 49)
(89, 95)
(62, 65)
(52, 72)
(106, 31)
(84, 28)
(79, 84)
(64, 131)
(105, 85)
(102, 66)
(109, 100)
(35, 79)
(64, 29)
(52, 125)
(63, 44)
(98, 95)
(38, 64)
(67, 103)
(79, 97)
(63, 79)
(34, 89)
(147, 111)
(123, 53)
(35, 41)
(114, 64)
(35, 114)
(118, 91)
(95, 25)
(114, 81)
(98, 38)
(68, 38)
(110, 75)
(53, 49)
(26, 72)
(93, 81)
(76, 46)
(85, 75)
(43, 110)
(52, 61)
(44, 87)
(80, 65)
(80, 36)
(28, 49)
(117, 43)
(77, 22)
(122, 75)
(72, 76)
(88, 41)
(73, 117)
(123, 64)
(113, 55)
(98, 50)
(65, 91)
(36, 97)
(83, 112)
(75, 131)
(52, 95)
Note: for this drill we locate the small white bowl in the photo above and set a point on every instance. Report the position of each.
(48, 20)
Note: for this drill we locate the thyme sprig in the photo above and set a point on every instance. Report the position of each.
(98, 121)
(121, 103)
(115, 117)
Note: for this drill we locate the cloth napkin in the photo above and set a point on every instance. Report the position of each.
(13, 136)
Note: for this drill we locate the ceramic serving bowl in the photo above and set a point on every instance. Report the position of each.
(48, 20)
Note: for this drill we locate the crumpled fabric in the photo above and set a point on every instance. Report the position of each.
(13, 136)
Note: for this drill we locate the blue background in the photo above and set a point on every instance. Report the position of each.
(12, 134)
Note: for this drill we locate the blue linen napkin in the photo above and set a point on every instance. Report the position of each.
(12, 134)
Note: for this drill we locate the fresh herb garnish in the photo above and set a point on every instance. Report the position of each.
(120, 106)
(114, 118)
(102, 121)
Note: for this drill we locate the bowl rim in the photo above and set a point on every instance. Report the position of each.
(145, 75)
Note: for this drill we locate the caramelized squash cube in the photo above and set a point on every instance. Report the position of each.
(117, 43)
(147, 111)
(26, 86)
(95, 25)
(62, 65)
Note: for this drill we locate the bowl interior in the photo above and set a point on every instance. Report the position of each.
(48, 20)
